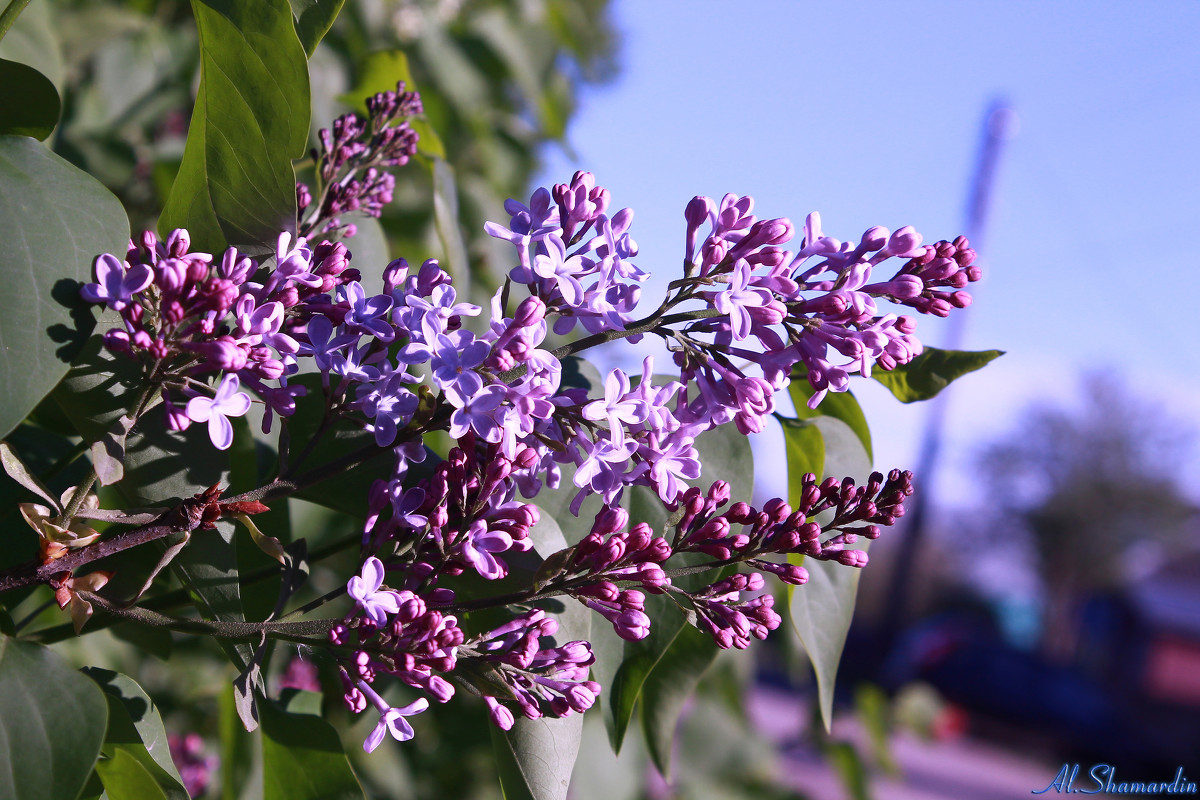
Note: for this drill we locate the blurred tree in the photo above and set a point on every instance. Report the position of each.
(1094, 493)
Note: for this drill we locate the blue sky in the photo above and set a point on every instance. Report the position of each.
(871, 113)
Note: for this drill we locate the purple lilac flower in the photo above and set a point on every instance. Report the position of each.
(478, 546)
(559, 271)
(737, 299)
(478, 413)
(391, 406)
(391, 720)
(117, 282)
(616, 408)
(367, 315)
(437, 313)
(228, 402)
(364, 588)
(455, 357)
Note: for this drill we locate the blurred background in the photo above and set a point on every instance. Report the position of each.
(1042, 604)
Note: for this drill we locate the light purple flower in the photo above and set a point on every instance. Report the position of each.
(455, 357)
(478, 546)
(391, 720)
(364, 588)
(117, 282)
(324, 344)
(554, 264)
(228, 402)
(479, 413)
(367, 314)
(616, 408)
(735, 300)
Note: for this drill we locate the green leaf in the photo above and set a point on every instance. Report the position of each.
(159, 464)
(238, 748)
(446, 220)
(314, 18)
(236, 185)
(725, 454)
(380, 72)
(126, 778)
(303, 758)
(932, 371)
(30, 101)
(34, 40)
(839, 405)
(535, 759)
(162, 465)
(667, 688)
(822, 609)
(136, 729)
(52, 722)
(805, 453)
(54, 220)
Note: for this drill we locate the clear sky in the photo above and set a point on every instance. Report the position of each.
(872, 113)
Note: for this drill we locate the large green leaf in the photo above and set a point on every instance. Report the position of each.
(126, 778)
(161, 466)
(29, 100)
(303, 757)
(668, 687)
(932, 371)
(446, 219)
(136, 730)
(52, 722)
(839, 405)
(54, 220)
(535, 758)
(236, 185)
(805, 448)
(822, 609)
(314, 19)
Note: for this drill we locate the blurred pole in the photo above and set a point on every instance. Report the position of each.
(999, 125)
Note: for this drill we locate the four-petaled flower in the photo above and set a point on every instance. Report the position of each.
(478, 546)
(735, 300)
(228, 402)
(616, 408)
(391, 720)
(365, 589)
(117, 282)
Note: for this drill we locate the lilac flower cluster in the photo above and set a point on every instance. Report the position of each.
(190, 319)
(746, 317)
(349, 160)
(542, 681)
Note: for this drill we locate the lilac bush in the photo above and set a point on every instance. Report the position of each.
(502, 492)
